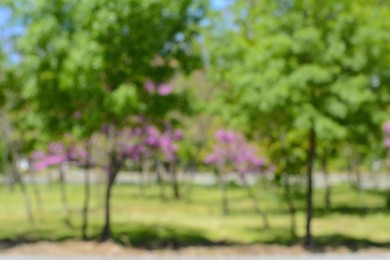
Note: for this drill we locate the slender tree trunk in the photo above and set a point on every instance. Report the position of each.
(309, 243)
(160, 179)
(190, 177)
(252, 195)
(287, 188)
(356, 171)
(387, 176)
(87, 192)
(175, 182)
(6, 171)
(106, 233)
(99, 187)
(324, 165)
(27, 200)
(222, 183)
(6, 131)
(112, 171)
(291, 207)
(37, 192)
(18, 179)
(142, 177)
(64, 197)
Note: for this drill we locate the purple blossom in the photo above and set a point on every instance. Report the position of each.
(150, 87)
(177, 135)
(164, 89)
(225, 136)
(38, 155)
(161, 89)
(56, 148)
(231, 147)
(386, 127)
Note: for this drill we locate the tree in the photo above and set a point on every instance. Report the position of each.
(92, 60)
(311, 65)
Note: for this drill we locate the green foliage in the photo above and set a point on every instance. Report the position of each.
(293, 65)
(91, 58)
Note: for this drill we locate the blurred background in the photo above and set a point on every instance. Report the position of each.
(159, 124)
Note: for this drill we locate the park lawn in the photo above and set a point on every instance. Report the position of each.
(355, 219)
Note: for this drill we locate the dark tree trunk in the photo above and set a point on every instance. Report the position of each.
(175, 182)
(106, 233)
(309, 243)
(87, 192)
(8, 175)
(6, 131)
(64, 197)
(112, 172)
(324, 165)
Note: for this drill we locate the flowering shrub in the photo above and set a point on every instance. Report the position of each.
(232, 148)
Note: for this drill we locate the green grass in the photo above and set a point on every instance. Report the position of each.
(355, 220)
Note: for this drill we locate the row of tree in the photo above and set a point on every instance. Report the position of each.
(307, 80)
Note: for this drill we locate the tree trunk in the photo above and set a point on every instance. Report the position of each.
(37, 193)
(190, 177)
(27, 200)
(142, 177)
(356, 171)
(324, 166)
(252, 195)
(106, 233)
(175, 182)
(84, 227)
(287, 188)
(64, 197)
(112, 172)
(160, 179)
(18, 179)
(309, 243)
(222, 183)
(291, 207)
(6, 131)
(6, 171)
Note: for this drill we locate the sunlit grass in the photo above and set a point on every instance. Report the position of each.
(147, 220)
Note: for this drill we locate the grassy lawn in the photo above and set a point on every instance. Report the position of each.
(355, 220)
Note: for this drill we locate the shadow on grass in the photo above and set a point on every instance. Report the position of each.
(328, 243)
(167, 237)
(282, 237)
(353, 244)
(158, 237)
(351, 210)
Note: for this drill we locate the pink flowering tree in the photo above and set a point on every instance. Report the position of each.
(231, 150)
(58, 155)
(147, 142)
